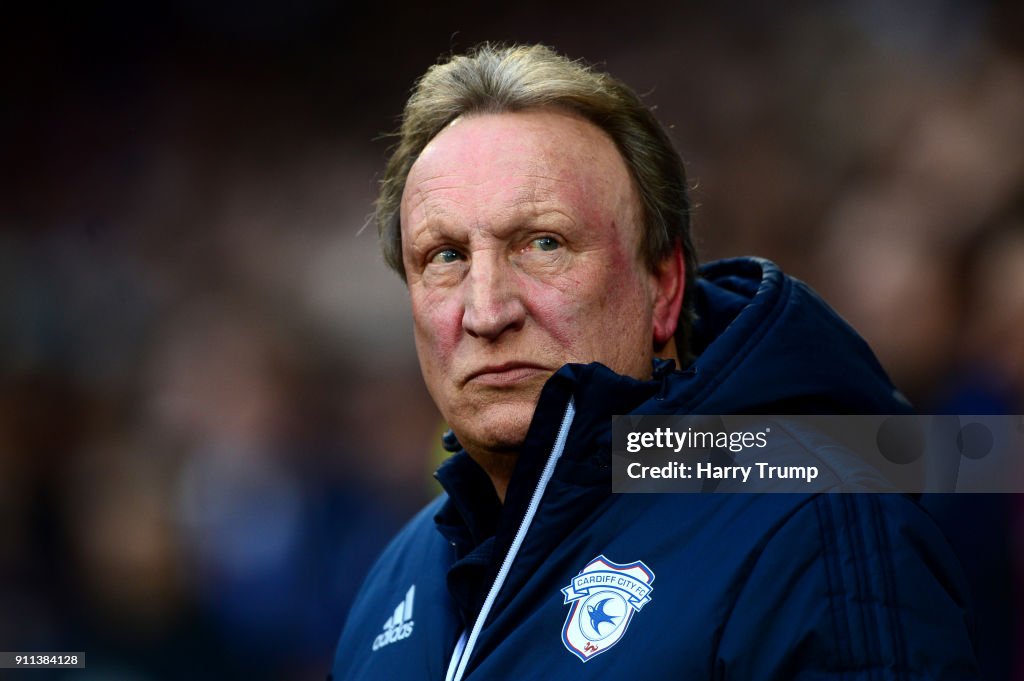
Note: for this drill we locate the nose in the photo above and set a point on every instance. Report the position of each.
(493, 303)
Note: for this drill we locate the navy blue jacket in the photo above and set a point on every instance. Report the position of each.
(575, 582)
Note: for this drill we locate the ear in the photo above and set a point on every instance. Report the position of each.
(669, 280)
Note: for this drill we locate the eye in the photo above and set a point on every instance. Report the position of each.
(446, 256)
(545, 243)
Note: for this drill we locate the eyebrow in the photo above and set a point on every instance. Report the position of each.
(438, 226)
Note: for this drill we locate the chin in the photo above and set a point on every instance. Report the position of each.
(495, 429)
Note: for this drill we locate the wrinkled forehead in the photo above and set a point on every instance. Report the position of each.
(522, 157)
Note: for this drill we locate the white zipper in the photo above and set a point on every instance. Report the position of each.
(464, 648)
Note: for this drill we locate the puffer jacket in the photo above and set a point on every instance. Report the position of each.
(566, 580)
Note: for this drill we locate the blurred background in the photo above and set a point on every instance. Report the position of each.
(211, 416)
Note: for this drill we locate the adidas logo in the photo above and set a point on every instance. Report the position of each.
(399, 625)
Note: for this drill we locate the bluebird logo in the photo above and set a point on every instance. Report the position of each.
(598, 616)
(399, 625)
(604, 597)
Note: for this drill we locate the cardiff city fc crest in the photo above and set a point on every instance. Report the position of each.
(604, 597)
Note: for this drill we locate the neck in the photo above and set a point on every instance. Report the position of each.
(669, 351)
(499, 469)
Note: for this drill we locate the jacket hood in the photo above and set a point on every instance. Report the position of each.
(766, 343)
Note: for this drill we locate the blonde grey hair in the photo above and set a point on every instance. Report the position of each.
(501, 79)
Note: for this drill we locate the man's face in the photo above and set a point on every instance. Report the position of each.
(520, 238)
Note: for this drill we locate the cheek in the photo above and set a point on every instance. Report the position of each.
(623, 259)
(617, 286)
(556, 307)
(591, 309)
(437, 323)
(630, 295)
(618, 318)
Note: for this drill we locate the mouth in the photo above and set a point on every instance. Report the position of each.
(506, 374)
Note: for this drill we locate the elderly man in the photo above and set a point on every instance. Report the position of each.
(538, 213)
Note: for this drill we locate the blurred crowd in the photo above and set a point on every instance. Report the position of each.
(211, 415)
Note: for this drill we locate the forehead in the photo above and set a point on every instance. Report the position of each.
(520, 158)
